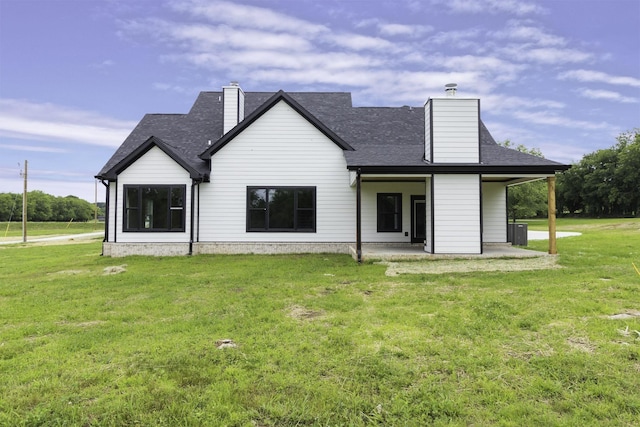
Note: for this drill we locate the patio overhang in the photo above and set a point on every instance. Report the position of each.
(460, 168)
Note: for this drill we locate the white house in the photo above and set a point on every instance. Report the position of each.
(260, 172)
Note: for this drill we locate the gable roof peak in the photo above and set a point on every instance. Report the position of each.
(277, 97)
(153, 141)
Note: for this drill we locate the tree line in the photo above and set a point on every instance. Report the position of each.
(603, 183)
(45, 207)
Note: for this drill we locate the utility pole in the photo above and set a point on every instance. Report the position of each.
(24, 205)
(95, 210)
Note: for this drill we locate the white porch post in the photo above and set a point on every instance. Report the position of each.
(359, 216)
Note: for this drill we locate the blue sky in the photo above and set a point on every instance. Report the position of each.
(76, 76)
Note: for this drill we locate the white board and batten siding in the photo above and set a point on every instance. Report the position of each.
(281, 148)
(153, 168)
(369, 216)
(494, 212)
(455, 130)
(456, 214)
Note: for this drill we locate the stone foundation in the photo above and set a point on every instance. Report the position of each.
(150, 249)
(228, 248)
(269, 248)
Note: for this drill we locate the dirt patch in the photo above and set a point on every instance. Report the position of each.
(581, 344)
(470, 265)
(627, 314)
(225, 343)
(302, 313)
(535, 351)
(114, 269)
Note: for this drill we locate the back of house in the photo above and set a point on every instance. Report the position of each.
(264, 172)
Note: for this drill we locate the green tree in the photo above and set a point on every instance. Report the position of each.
(10, 207)
(39, 206)
(598, 182)
(79, 210)
(626, 176)
(569, 191)
(605, 182)
(530, 198)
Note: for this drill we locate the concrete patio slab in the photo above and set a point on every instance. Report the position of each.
(390, 252)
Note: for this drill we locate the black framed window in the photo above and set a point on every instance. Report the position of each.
(281, 209)
(154, 208)
(389, 212)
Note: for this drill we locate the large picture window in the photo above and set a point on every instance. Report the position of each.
(154, 208)
(281, 209)
(389, 212)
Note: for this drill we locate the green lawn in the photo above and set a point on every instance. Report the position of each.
(320, 340)
(40, 229)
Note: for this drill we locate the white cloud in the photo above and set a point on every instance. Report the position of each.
(517, 30)
(599, 77)
(404, 30)
(255, 60)
(107, 63)
(606, 95)
(248, 16)
(172, 88)
(546, 55)
(28, 120)
(497, 103)
(516, 7)
(357, 42)
(210, 38)
(33, 148)
(458, 39)
(393, 29)
(556, 119)
(491, 67)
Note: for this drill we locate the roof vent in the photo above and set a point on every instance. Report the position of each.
(450, 89)
(234, 83)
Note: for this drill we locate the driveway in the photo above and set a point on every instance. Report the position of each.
(13, 241)
(544, 235)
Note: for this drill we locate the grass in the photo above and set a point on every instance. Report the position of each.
(40, 229)
(320, 339)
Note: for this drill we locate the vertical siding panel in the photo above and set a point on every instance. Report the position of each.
(457, 214)
(455, 130)
(153, 168)
(112, 210)
(427, 131)
(429, 240)
(494, 212)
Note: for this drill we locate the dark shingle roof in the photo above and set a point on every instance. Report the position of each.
(391, 138)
